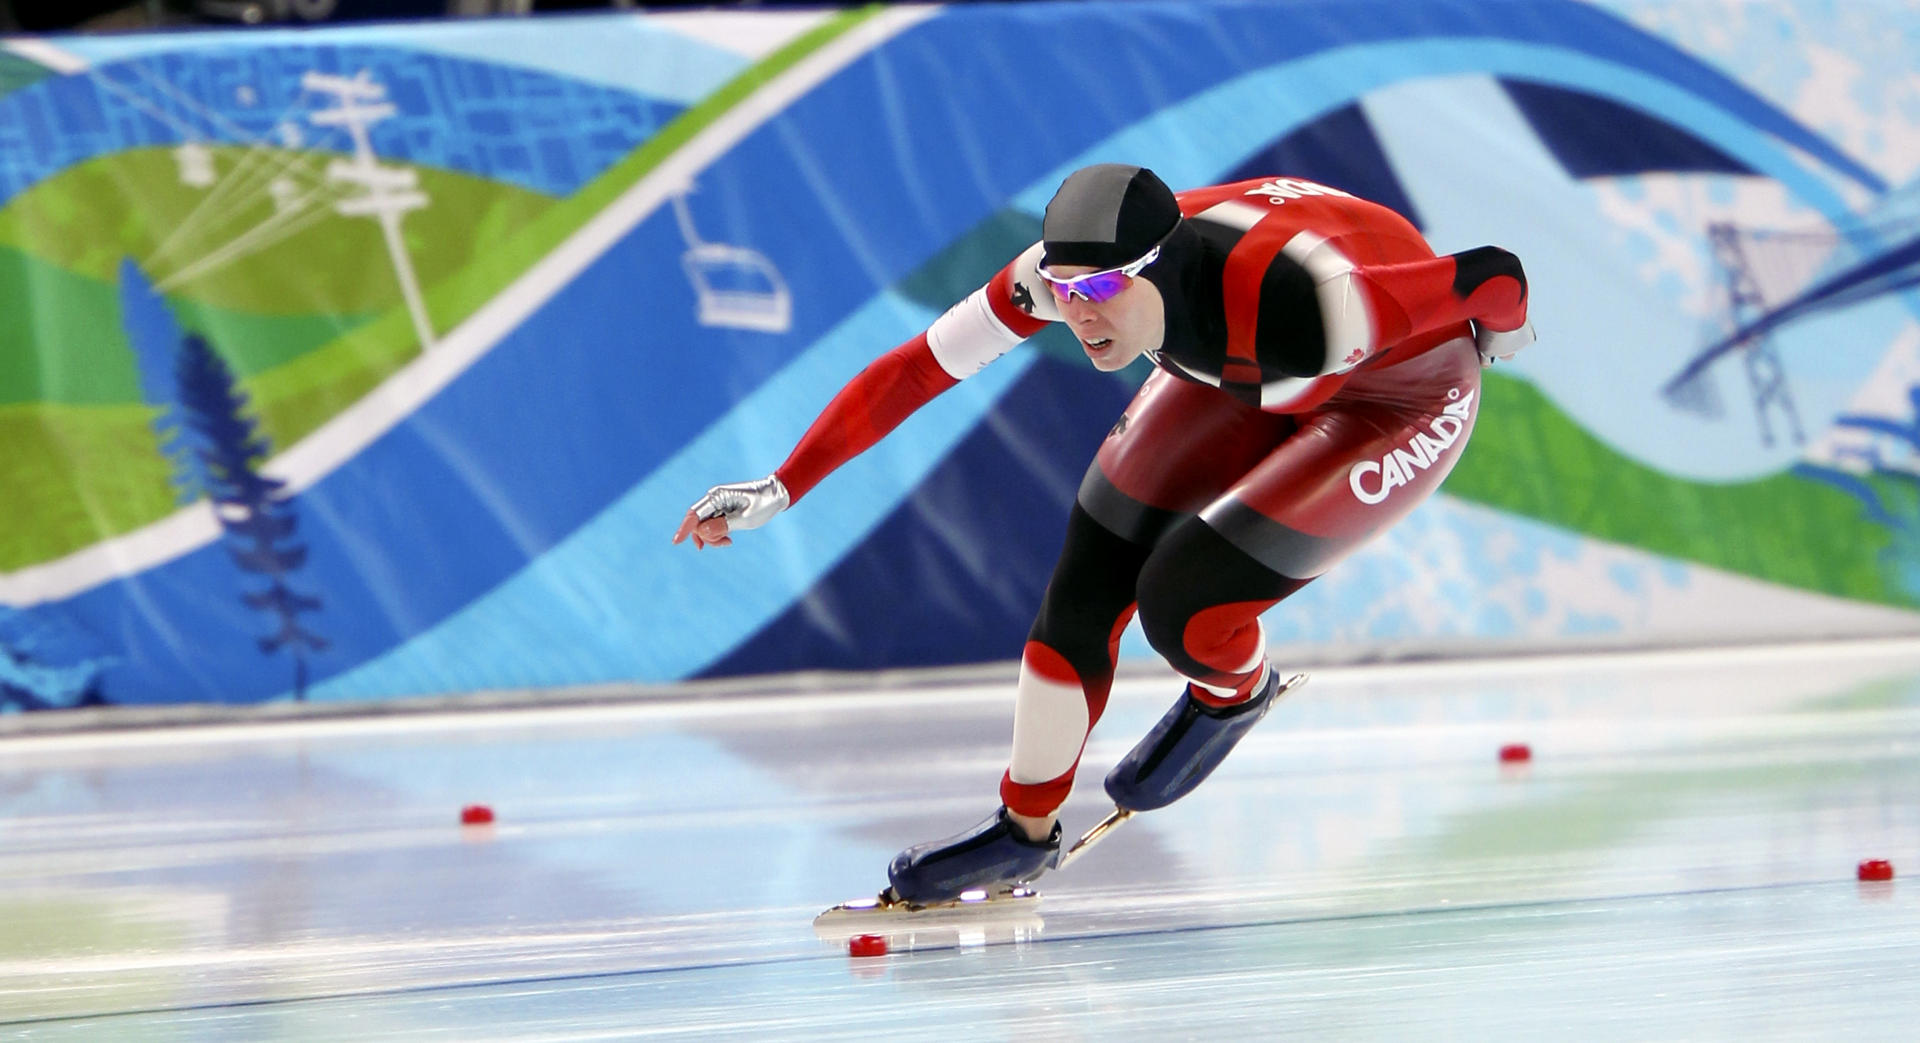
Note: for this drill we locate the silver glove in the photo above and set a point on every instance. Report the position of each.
(745, 505)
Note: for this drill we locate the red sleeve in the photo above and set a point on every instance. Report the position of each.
(872, 404)
(971, 334)
(1485, 284)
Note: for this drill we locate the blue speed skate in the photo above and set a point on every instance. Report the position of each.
(1188, 743)
(992, 855)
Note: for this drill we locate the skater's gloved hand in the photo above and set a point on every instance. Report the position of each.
(1495, 345)
(741, 505)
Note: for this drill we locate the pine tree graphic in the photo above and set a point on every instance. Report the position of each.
(255, 511)
(155, 336)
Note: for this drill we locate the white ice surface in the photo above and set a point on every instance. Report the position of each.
(1677, 861)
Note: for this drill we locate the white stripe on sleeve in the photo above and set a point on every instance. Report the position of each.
(969, 336)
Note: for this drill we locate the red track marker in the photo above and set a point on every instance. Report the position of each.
(476, 815)
(1516, 753)
(1876, 869)
(867, 945)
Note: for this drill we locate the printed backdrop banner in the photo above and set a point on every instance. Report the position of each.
(376, 361)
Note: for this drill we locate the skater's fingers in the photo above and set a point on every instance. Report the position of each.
(713, 530)
(686, 527)
(704, 532)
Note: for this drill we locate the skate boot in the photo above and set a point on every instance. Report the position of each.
(992, 854)
(1184, 748)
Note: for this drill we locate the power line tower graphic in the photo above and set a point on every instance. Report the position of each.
(1766, 376)
(388, 193)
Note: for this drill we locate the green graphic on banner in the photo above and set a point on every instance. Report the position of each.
(310, 322)
(1528, 458)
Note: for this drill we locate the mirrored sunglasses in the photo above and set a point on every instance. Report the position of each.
(1098, 286)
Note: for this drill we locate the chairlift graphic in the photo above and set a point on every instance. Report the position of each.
(734, 286)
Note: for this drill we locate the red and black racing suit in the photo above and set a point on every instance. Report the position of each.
(1321, 383)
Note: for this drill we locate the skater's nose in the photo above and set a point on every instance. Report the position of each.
(1079, 312)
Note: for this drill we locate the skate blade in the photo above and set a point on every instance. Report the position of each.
(1118, 816)
(976, 918)
(1094, 836)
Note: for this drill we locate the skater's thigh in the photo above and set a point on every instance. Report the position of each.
(1194, 572)
(1174, 450)
(1354, 467)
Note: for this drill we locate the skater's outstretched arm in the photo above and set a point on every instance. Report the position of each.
(971, 334)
